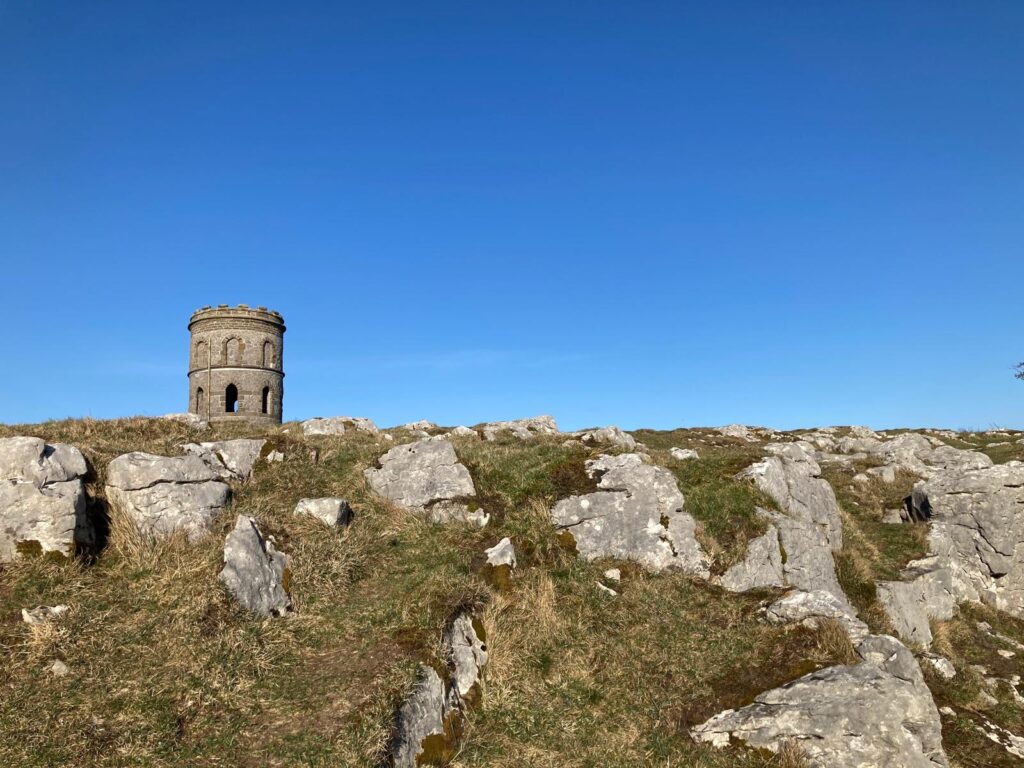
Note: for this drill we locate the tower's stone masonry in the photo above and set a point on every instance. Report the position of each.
(236, 368)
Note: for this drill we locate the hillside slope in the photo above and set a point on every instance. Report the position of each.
(164, 668)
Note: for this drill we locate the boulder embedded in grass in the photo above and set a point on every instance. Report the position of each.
(255, 573)
(333, 511)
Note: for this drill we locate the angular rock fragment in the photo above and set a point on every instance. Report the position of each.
(524, 429)
(464, 432)
(878, 712)
(163, 494)
(426, 476)
(638, 514)
(336, 425)
(42, 498)
(332, 511)
(501, 561)
(230, 459)
(43, 614)
(809, 608)
(254, 572)
(762, 566)
(926, 592)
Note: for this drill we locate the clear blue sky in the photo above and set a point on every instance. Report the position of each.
(648, 213)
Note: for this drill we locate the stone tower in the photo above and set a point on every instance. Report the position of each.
(235, 364)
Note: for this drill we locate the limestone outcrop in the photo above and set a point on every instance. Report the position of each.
(426, 476)
(337, 425)
(163, 494)
(254, 572)
(42, 498)
(230, 459)
(467, 654)
(792, 477)
(608, 436)
(877, 712)
(427, 722)
(637, 514)
(524, 429)
(924, 593)
(424, 728)
(977, 531)
(762, 566)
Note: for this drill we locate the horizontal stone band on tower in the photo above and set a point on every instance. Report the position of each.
(236, 364)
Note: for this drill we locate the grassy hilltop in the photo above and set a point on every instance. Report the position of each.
(165, 670)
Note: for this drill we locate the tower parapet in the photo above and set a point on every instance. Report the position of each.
(236, 364)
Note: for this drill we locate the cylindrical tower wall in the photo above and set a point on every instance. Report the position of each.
(236, 364)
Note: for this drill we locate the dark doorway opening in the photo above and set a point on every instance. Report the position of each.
(231, 399)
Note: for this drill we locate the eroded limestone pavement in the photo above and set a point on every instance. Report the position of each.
(876, 711)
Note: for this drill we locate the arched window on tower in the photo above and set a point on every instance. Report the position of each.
(268, 354)
(266, 400)
(231, 399)
(232, 351)
(200, 401)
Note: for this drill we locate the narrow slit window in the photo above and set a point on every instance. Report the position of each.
(266, 399)
(200, 400)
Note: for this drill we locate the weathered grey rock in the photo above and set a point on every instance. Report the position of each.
(894, 517)
(738, 431)
(637, 515)
(254, 572)
(461, 431)
(610, 436)
(189, 419)
(809, 608)
(808, 562)
(58, 669)
(863, 432)
(230, 459)
(421, 425)
(502, 553)
(336, 425)
(887, 473)
(43, 614)
(926, 592)
(762, 566)
(793, 479)
(915, 453)
(942, 666)
(426, 476)
(464, 643)
(977, 530)
(163, 494)
(330, 510)
(424, 724)
(521, 428)
(878, 712)
(683, 454)
(42, 498)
